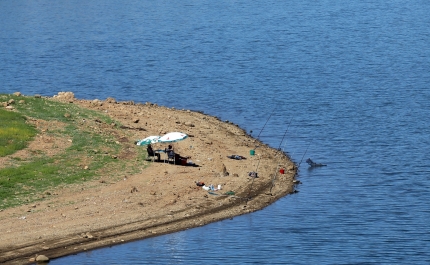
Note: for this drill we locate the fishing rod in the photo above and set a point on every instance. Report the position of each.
(266, 123)
(258, 136)
(260, 156)
(254, 177)
(285, 134)
(304, 154)
(279, 148)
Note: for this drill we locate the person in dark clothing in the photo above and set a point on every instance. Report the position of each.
(178, 158)
(169, 149)
(152, 153)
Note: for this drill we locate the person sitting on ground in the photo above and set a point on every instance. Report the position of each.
(152, 153)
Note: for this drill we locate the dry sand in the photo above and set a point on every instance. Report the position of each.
(163, 198)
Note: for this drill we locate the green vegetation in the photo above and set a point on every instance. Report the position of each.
(87, 139)
(14, 132)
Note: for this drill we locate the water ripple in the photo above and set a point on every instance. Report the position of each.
(354, 77)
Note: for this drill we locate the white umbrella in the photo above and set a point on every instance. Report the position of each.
(148, 140)
(172, 137)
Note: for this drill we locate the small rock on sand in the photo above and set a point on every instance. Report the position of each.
(42, 258)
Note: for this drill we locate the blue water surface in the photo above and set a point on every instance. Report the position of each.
(352, 77)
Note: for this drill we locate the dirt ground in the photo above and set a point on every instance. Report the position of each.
(163, 198)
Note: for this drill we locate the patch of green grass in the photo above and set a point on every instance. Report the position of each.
(40, 108)
(15, 133)
(27, 179)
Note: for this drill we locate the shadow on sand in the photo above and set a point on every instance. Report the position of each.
(178, 163)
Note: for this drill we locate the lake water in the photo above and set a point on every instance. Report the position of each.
(353, 76)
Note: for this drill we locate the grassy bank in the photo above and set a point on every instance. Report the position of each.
(76, 145)
(15, 132)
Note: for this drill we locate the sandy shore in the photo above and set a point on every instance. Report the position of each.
(162, 199)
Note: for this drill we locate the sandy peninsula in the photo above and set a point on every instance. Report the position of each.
(162, 198)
